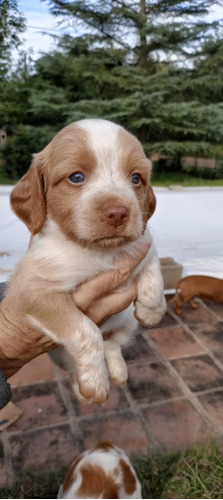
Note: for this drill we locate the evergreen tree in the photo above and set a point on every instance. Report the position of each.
(173, 109)
(12, 24)
(151, 30)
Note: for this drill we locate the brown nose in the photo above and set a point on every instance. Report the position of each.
(117, 215)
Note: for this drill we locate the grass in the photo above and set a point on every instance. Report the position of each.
(196, 473)
(4, 181)
(166, 179)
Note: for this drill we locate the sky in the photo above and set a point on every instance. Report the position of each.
(40, 22)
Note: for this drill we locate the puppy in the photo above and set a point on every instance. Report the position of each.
(204, 287)
(102, 472)
(86, 198)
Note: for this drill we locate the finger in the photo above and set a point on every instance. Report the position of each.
(106, 282)
(112, 304)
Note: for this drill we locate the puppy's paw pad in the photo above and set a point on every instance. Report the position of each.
(120, 375)
(95, 389)
(149, 317)
(78, 395)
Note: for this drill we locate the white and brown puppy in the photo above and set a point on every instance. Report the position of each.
(102, 472)
(86, 198)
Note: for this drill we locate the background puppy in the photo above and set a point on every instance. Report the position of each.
(204, 287)
(102, 472)
(86, 198)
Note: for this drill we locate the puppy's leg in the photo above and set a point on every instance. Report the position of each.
(56, 316)
(150, 305)
(64, 360)
(192, 303)
(179, 303)
(116, 364)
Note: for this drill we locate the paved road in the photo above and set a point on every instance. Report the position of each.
(187, 225)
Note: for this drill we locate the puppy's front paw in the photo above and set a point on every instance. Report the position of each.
(118, 371)
(94, 384)
(147, 316)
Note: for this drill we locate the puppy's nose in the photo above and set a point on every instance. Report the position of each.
(116, 215)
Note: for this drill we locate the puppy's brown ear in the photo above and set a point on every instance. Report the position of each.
(151, 202)
(28, 198)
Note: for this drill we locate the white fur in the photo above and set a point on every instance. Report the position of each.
(109, 461)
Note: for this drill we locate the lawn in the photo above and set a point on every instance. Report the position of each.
(5, 180)
(169, 178)
(196, 473)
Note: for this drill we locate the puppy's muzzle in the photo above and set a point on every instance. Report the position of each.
(116, 215)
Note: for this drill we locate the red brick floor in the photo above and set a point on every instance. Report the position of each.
(174, 398)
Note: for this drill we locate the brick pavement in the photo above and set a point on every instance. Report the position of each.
(174, 398)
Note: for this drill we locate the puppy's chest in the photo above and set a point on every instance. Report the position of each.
(69, 264)
(65, 264)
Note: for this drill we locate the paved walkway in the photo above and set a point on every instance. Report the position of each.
(174, 399)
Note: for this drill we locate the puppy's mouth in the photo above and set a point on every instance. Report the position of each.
(111, 241)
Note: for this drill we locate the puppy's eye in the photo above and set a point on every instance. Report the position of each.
(136, 179)
(77, 177)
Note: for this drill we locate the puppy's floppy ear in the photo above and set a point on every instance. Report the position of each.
(151, 202)
(28, 197)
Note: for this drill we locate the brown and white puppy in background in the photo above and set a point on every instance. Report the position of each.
(205, 287)
(102, 472)
(86, 198)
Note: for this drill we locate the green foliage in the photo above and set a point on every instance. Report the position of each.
(138, 81)
(17, 153)
(160, 26)
(12, 24)
(195, 473)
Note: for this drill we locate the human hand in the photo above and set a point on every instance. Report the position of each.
(97, 298)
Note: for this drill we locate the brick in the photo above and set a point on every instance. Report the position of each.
(175, 342)
(115, 401)
(165, 322)
(219, 355)
(199, 372)
(41, 405)
(210, 334)
(44, 450)
(175, 425)
(216, 308)
(138, 351)
(190, 315)
(123, 429)
(213, 404)
(38, 370)
(3, 473)
(151, 382)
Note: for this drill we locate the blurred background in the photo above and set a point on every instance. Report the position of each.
(154, 67)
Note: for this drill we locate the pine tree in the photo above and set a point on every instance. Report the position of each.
(126, 66)
(12, 24)
(151, 30)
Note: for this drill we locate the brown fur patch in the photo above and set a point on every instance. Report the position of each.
(128, 477)
(104, 445)
(28, 199)
(96, 483)
(107, 335)
(69, 478)
(134, 160)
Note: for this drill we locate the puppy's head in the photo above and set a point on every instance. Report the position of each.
(101, 472)
(93, 180)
